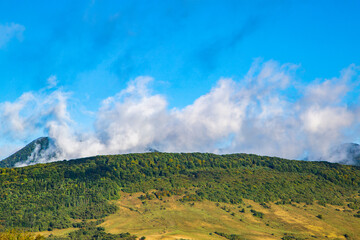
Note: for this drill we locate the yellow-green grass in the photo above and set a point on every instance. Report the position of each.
(57, 232)
(171, 219)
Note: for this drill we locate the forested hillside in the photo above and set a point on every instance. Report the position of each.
(52, 196)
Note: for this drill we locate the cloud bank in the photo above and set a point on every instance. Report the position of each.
(269, 112)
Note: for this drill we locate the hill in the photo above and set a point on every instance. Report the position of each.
(97, 193)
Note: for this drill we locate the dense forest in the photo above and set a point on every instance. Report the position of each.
(50, 196)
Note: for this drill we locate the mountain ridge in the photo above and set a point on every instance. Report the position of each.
(44, 149)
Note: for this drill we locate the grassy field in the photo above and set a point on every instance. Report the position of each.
(57, 232)
(171, 219)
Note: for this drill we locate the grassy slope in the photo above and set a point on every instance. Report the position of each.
(172, 219)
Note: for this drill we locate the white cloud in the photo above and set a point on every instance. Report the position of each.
(29, 113)
(12, 121)
(10, 31)
(212, 117)
(252, 115)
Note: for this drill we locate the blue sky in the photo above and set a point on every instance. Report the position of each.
(93, 49)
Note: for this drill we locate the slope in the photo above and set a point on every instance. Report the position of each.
(170, 218)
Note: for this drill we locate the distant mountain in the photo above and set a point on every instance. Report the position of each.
(347, 153)
(150, 149)
(30, 154)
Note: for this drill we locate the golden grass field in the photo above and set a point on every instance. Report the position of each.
(172, 219)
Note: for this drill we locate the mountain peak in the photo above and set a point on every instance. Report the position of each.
(30, 153)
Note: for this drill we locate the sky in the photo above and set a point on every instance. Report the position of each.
(277, 78)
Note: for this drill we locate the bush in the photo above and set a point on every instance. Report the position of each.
(257, 214)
